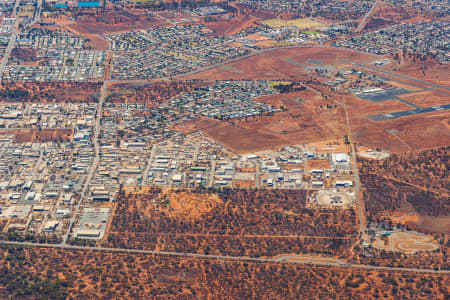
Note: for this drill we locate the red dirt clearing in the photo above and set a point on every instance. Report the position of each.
(417, 132)
(36, 135)
(232, 26)
(315, 120)
(281, 64)
(426, 98)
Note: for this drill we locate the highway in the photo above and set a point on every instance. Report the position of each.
(304, 260)
(12, 40)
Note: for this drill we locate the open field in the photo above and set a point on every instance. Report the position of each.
(38, 136)
(360, 108)
(231, 26)
(327, 56)
(416, 132)
(318, 164)
(301, 122)
(95, 42)
(113, 21)
(303, 23)
(253, 68)
(434, 224)
(427, 70)
(282, 64)
(330, 146)
(239, 139)
(407, 242)
(427, 98)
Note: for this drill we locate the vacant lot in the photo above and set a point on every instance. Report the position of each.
(306, 117)
(39, 135)
(303, 23)
(410, 133)
(427, 98)
(282, 64)
(407, 242)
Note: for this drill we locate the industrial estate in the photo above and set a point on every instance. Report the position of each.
(224, 149)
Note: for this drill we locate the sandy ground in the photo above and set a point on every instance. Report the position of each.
(416, 132)
(330, 146)
(407, 242)
(331, 199)
(426, 98)
(35, 135)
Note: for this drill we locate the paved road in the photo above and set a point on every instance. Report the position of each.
(359, 200)
(94, 164)
(12, 40)
(37, 13)
(211, 173)
(362, 24)
(37, 164)
(147, 168)
(305, 260)
(257, 176)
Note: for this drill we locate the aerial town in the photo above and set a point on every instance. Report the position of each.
(191, 149)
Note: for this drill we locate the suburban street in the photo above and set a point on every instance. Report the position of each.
(369, 14)
(12, 40)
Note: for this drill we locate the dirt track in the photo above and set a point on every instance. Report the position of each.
(407, 242)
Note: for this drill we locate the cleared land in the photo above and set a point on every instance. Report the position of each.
(333, 199)
(39, 135)
(426, 98)
(426, 70)
(407, 242)
(416, 132)
(110, 21)
(231, 26)
(302, 23)
(282, 64)
(308, 121)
